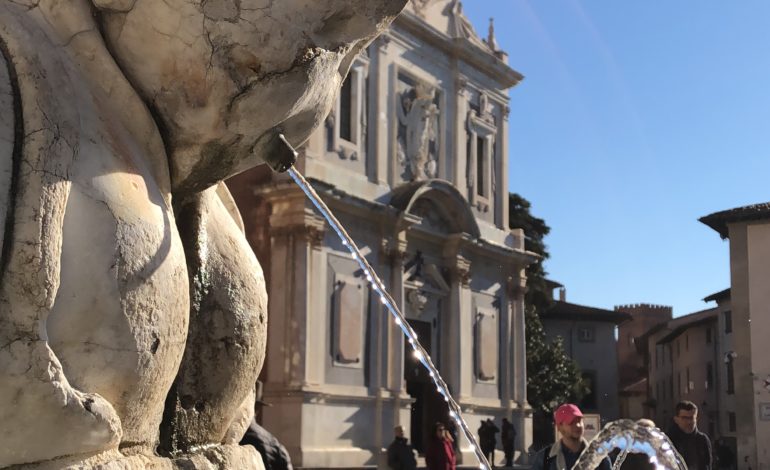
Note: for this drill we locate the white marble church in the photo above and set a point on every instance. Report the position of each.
(414, 163)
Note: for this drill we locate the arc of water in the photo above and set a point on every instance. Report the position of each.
(390, 305)
(631, 437)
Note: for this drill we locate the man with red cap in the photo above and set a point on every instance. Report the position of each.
(563, 454)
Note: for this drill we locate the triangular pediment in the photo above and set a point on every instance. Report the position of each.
(447, 16)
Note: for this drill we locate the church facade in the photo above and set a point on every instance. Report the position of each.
(413, 160)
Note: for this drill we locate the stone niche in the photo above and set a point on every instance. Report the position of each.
(133, 311)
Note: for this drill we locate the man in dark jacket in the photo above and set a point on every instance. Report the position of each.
(693, 445)
(508, 437)
(400, 452)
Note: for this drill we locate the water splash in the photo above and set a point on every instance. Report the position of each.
(390, 305)
(631, 437)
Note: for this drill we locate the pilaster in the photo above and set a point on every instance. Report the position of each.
(501, 170)
(457, 367)
(380, 97)
(296, 235)
(459, 178)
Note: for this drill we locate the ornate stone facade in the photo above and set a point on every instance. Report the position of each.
(429, 209)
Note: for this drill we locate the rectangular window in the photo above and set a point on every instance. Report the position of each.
(730, 378)
(709, 375)
(346, 109)
(480, 157)
(586, 335)
(731, 421)
(687, 342)
(708, 335)
(728, 316)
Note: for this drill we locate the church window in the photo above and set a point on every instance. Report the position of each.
(346, 109)
(346, 124)
(480, 166)
(481, 152)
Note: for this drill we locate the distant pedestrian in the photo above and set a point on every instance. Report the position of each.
(693, 445)
(400, 452)
(508, 436)
(452, 430)
(564, 453)
(491, 441)
(483, 432)
(440, 454)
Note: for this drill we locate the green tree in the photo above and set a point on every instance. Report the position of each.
(552, 377)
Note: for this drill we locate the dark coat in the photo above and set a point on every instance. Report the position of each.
(508, 436)
(552, 458)
(695, 448)
(401, 455)
(440, 455)
(273, 453)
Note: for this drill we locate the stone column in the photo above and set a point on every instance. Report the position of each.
(296, 357)
(460, 177)
(501, 170)
(521, 412)
(296, 233)
(394, 250)
(457, 347)
(380, 101)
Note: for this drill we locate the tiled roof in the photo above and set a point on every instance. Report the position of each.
(566, 310)
(722, 294)
(719, 220)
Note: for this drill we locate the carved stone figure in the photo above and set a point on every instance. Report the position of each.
(132, 309)
(418, 117)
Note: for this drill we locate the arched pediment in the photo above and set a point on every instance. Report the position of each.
(439, 204)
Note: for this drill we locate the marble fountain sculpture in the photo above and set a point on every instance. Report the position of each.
(132, 309)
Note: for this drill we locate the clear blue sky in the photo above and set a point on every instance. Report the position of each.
(635, 119)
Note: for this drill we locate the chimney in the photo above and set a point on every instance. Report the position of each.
(563, 294)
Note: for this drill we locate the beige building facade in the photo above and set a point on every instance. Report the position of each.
(588, 337)
(748, 229)
(632, 358)
(683, 365)
(414, 162)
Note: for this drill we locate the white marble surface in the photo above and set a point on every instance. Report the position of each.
(127, 284)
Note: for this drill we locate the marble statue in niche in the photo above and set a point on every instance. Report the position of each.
(132, 309)
(418, 120)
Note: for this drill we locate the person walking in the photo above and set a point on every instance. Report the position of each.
(508, 436)
(400, 452)
(563, 454)
(483, 433)
(693, 445)
(492, 431)
(440, 454)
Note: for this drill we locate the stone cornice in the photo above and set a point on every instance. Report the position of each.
(460, 48)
